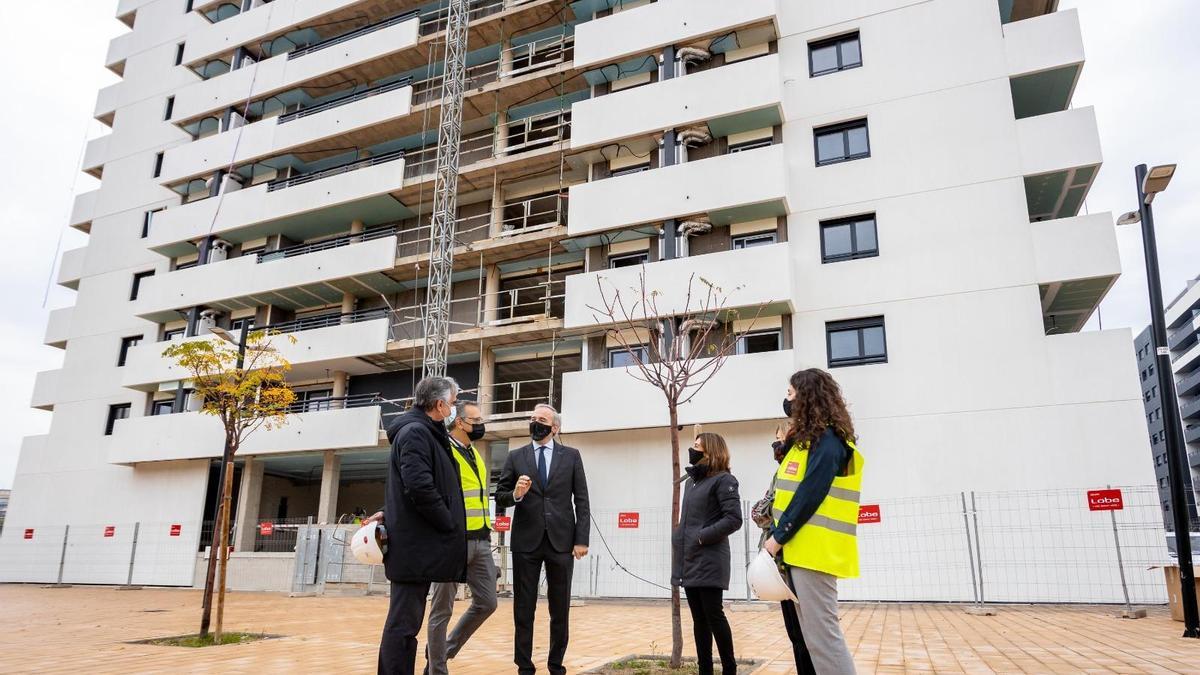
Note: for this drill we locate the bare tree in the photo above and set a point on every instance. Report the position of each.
(677, 350)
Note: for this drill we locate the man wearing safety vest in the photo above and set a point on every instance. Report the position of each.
(815, 512)
(465, 425)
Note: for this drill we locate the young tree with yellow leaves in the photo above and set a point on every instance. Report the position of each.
(245, 395)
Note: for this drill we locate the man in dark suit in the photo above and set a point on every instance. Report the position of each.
(424, 516)
(546, 483)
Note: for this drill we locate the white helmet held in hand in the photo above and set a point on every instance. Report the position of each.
(766, 581)
(369, 544)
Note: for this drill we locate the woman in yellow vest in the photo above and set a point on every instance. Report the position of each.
(815, 512)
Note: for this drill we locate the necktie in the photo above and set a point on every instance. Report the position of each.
(542, 473)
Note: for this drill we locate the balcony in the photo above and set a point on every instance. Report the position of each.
(738, 186)
(58, 327)
(1060, 156)
(320, 202)
(747, 278)
(1020, 10)
(1186, 361)
(747, 87)
(70, 269)
(324, 343)
(1190, 410)
(84, 210)
(1188, 385)
(291, 279)
(662, 23)
(95, 154)
(193, 435)
(1077, 262)
(589, 396)
(45, 389)
(1191, 434)
(1185, 335)
(1045, 57)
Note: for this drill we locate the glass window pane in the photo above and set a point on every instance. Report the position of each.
(764, 342)
(851, 55)
(857, 140)
(824, 59)
(865, 230)
(843, 344)
(873, 341)
(830, 146)
(837, 240)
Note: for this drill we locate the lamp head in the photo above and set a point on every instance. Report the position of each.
(1156, 180)
(1131, 218)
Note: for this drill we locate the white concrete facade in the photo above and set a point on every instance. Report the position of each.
(987, 384)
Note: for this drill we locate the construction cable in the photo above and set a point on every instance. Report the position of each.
(63, 230)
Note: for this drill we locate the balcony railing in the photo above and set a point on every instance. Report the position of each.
(1190, 409)
(1191, 435)
(521, 217)
(293, 181)
(344, 100)
(331, 403)
(527, 58)
(357, 32)
(507, 400)
(325, 321)
(326, 244)
(436, 20)
(1183, 336)
(1189, 384)
(531, 133)
(513, 306)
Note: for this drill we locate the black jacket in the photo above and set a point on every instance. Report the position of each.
(710, 512)
(423, 512)
(560, 510)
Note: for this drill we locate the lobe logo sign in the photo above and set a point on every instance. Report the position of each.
(1105, 500)
(628, 521)
(869, 513)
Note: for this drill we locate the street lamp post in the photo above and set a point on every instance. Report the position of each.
(1150, 183)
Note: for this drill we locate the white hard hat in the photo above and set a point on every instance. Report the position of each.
(368, 544)
(766, 581)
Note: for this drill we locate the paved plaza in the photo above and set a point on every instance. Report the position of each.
(89, 629)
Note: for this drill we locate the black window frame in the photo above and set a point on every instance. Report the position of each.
(629, 170)
(855, 252)
(743, 238)
(841, 128)
(855, 325)
(613, 351)
(643, 255)
(148, 220)
(235, 325)
(837, 41)
(169, 335)
(746, 146)
(740, 347)
(170, 108)
(126, 343)
(136, 286)
(158, 164)
(179, 53)
(113, 416)
(162, 407)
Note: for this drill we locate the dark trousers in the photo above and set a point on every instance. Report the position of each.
(527, 571)
(406, 612)
(791, 622)
(709, 624)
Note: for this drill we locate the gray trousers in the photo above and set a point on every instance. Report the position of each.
(817, 610)
(481, 579)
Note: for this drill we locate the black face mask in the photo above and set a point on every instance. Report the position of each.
(787, 407)
(477, 431)
(694, 456)
(538, 431)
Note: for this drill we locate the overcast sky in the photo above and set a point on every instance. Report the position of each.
(1143, 63)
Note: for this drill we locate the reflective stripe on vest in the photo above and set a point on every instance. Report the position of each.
(827, 541)
(474, 487)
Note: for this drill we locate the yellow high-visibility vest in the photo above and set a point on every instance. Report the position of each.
(828, 541)
(474, 487)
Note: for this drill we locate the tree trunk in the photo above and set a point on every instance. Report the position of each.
(227, 510)
(676, 625)
(213, 546)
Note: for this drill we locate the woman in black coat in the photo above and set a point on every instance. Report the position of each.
(700, 561)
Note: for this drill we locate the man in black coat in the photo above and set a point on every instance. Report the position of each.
(546, 482)
(424, 516)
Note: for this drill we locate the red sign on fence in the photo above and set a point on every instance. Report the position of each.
(1105, 500)
(176, 530)
(110, 531)
(503, 523)
(266, 528)
(628, 521)
(29, 533)
(869, 513)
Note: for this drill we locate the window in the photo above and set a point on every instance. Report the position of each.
(857, 342)
(619, 357)
(166, 407)
(137, 283)
(186, 265)
(158, 161)
(235, 326)
(316, 399)
(841, 142)
(179, 53)
(147, 220)
(628, 260)
(638, 168)
(752, 240)
(115, 412)
(848, 239)
(759, 342)
(170, 108)
(173, 334)
(126, 343)
(829, 56)
(187, 7)
(750, 145)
